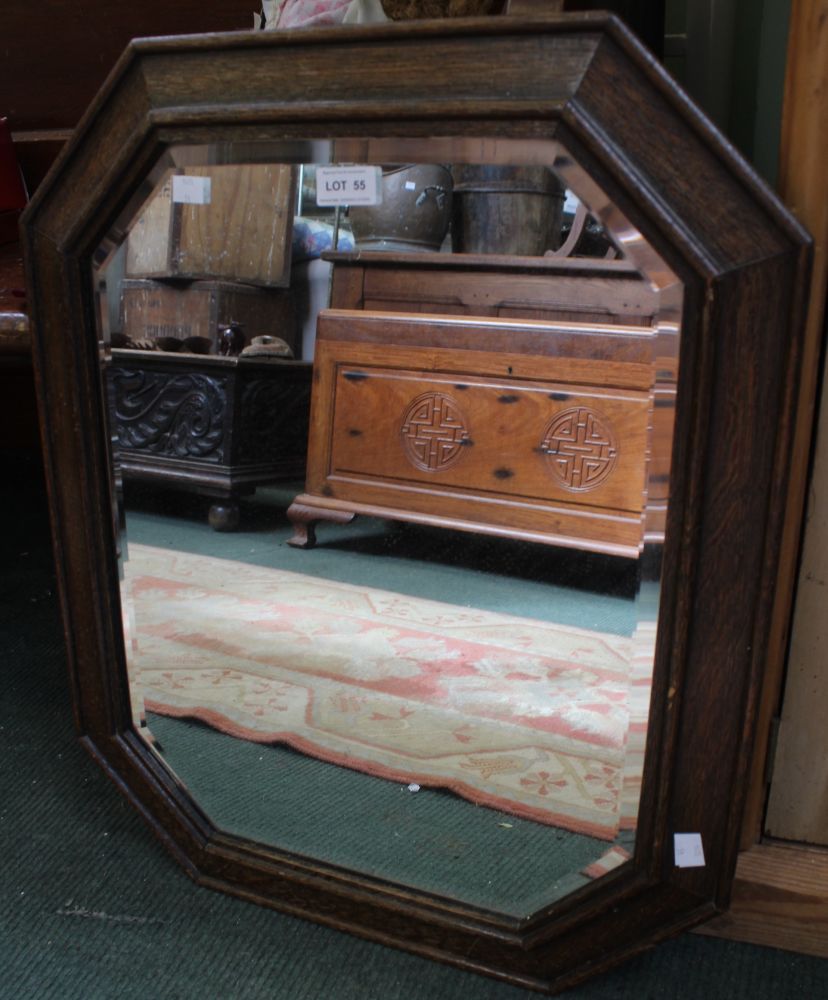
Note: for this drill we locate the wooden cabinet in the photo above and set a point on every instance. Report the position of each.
(458, 410)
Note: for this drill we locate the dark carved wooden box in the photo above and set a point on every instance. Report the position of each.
(218, 425)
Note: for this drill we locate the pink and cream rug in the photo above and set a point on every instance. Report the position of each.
(517, 714)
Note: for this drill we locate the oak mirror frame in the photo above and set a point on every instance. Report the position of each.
(584, 82)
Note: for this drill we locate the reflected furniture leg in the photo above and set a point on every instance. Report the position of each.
(304, 518)
(224, 515)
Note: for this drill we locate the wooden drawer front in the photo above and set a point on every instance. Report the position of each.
(533, 441)
(534, 430)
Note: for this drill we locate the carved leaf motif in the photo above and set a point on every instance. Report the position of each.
(180, 415)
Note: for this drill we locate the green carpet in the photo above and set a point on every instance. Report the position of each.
(430, 840)
(92, 907)
(590, 591)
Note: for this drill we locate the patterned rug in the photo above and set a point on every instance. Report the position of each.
(521, 715)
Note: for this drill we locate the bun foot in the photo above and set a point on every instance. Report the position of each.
(224, 516)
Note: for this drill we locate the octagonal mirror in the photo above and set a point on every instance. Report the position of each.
(428, 426)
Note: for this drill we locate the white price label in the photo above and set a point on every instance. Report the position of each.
(689, 850)
(359, 185)
(190, 190)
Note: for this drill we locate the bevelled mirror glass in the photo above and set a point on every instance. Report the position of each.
(400, 400)
(463, 676)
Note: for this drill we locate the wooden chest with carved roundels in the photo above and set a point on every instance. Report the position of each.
(524, 428)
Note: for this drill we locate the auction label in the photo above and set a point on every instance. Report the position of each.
(688, 850)
(188, 189)
(358, 185)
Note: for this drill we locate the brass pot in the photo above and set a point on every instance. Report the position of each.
(414, 214)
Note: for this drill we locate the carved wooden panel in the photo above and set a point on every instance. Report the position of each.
(220, 426)
(273, 419)
(442, 420)
(582, 448)
(179, 414)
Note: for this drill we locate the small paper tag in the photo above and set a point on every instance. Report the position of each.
(689, 850)
(358, 185)
(190, 190)
(410, 186)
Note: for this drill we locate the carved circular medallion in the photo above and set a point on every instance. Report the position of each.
(580, 445)
(433, 432)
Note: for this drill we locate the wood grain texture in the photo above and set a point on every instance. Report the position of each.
(780, 900)
(242, 233)
(462, 422)
(797, 807)
(561, 78)
(477, 286)
(150, 310)
(798, 796)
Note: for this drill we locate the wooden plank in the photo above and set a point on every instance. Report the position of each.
(780, 899)
(803, 185)
(798, 804)
(511, 295)
(149, 242)
(798, 800)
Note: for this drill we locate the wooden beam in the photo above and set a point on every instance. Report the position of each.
(780, 899)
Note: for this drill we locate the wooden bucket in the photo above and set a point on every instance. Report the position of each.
(506, 210)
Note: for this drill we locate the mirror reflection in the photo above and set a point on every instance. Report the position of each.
(391, 424)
